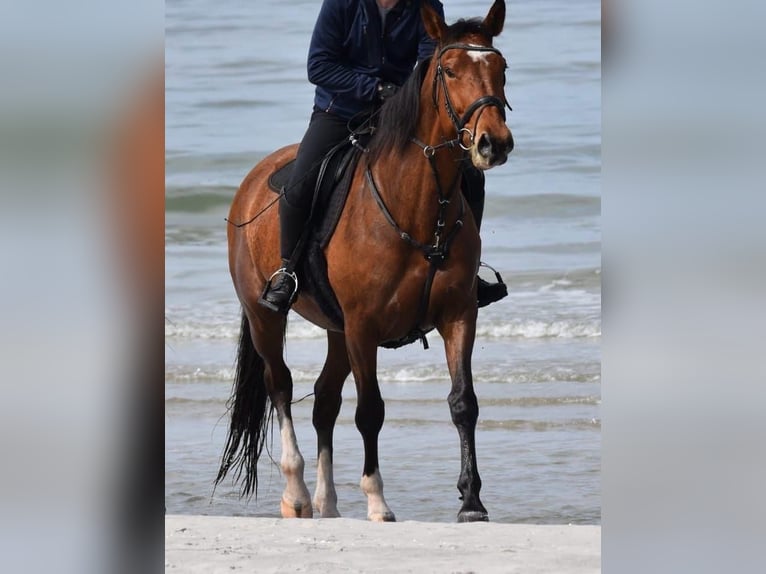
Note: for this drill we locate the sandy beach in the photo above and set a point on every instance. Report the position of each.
(225, 544)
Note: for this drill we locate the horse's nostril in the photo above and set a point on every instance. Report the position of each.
(485, 145)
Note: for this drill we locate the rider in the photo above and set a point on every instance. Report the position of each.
(361, 51)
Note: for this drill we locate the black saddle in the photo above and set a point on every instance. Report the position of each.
(330, 194)
(331, 189)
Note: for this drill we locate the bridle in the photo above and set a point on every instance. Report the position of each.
(439, 80)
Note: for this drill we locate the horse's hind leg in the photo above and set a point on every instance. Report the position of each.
(267, 330)
(327, 400)
(464, 408)
(370, 412)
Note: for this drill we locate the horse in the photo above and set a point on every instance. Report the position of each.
(405, 246)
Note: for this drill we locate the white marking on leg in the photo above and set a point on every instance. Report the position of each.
(296, 499)
(325, 497)
(377, 509)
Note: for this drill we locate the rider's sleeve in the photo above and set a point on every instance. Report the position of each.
(325, 61)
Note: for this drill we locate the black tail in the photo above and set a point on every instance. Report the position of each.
(250, 410)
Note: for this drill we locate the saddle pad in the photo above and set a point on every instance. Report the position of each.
(278, 179)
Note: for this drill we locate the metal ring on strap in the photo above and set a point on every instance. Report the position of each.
(460, 138)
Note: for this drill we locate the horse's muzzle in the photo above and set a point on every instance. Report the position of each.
(493, 151)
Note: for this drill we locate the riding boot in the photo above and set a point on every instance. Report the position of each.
(473, 190)
(282, 288)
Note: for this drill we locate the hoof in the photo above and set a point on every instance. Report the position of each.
(382, 517)
(326, 512)
(296, 510)
(472, 516)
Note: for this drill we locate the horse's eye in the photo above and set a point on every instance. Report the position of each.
(449, 72)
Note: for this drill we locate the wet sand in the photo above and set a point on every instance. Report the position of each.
(323, 546)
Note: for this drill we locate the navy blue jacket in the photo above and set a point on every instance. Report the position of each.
(350, 54)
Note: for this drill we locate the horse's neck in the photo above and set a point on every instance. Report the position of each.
(412, 194)
(412, 189)
(441, 173)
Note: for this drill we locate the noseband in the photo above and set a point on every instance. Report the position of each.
(460, 123)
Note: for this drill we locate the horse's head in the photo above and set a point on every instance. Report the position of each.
(468, 83)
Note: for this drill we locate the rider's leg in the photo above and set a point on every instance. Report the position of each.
(473, 190)
(324, 132)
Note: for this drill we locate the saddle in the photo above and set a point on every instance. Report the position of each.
(330, 194)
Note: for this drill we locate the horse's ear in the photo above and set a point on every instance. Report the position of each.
(434, 23)
(495, 18)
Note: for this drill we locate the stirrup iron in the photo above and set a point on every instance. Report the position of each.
(290, 274)
(283, 271)
(495, 271)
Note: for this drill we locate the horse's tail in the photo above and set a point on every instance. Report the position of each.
(251, 411)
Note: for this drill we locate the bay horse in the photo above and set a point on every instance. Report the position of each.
(404, 225)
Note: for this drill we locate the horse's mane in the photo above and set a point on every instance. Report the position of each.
(398, 117)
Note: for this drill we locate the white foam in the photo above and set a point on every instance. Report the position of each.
(532, 329)
(524, 328)
(199, 330)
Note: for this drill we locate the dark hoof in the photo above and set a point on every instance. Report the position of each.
(472, 516)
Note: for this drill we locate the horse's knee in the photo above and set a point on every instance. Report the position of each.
(370, 414)
(326, 409)
(464, 408)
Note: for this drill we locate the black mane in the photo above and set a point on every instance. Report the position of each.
(470, 27)
(398, 117)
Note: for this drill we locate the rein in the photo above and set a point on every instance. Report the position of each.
(439, 80)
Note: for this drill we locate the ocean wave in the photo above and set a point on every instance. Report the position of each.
(198, 199)
(185, 374)
(387, 376)
(545, 206)
(196, 330)
(514, 329)
(487, 373)
(535, 329)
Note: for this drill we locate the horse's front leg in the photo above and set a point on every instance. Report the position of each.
(370, 412)
(458, 343)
